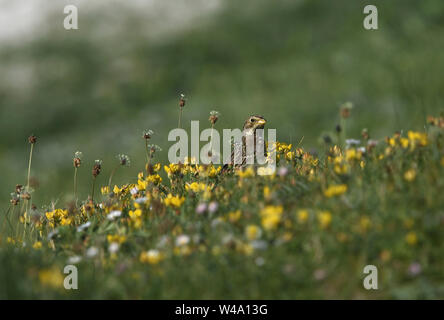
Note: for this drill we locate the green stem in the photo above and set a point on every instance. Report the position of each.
(180, 118)
(344, 132)
(92, 192)
(29, 178)
(111, 177)
(211, 143)
(75, 184)
(29, 165)
(147, 156)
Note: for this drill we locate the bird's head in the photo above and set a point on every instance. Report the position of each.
(254, 122)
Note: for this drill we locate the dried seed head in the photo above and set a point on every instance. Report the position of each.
(25, 196)
(327, 139)
(338, 128)
(15, 198)
(77, 160)
(97, 168)
(124, 160)
(153, 148)
(365, 134)
(214, 116)
(32, 139)
(346, 109)
(18, 188)
(182, 100)
(147, 134)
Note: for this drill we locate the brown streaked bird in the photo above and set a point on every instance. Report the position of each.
(250, 125)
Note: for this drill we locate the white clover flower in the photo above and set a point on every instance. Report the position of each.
(153, 254)
(352, 142)
(212, 207)
(182, 240)
(134, 191)
(201, 208)
(282, 171)
(114, 214)
(113, 247)
(74, 259)
(92, 252)
(259, 244)
(141, 200)
(83, 226)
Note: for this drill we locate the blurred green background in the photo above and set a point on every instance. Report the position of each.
(294, 62)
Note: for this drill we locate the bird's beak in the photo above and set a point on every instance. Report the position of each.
(262, 122)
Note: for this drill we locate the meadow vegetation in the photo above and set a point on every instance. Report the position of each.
(305, 231)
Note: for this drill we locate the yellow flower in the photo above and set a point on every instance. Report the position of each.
(154, 179)
(135, 214)
(392, 142)
(49, 215)
(66, 221)
(267, 193)
(353, 154)
(172, 169)
(197, 187)
(410, 175)
(117, 190)
(271, 216)
(411, 238)
(247, 173)
(417, 138)
(156, 167)
(37, 245)
(335, 190)
(302, 215)
(234, 216)
(51, 277)
(104, 190)
(404, 142)
(115, 238)
(289, 155)
(253, 232)
(152, 256)
(142, 184)
(324, 218)
(174, 201)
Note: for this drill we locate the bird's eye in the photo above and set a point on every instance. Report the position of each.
(252, 120)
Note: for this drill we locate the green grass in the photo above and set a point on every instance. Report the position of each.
(319, 225)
